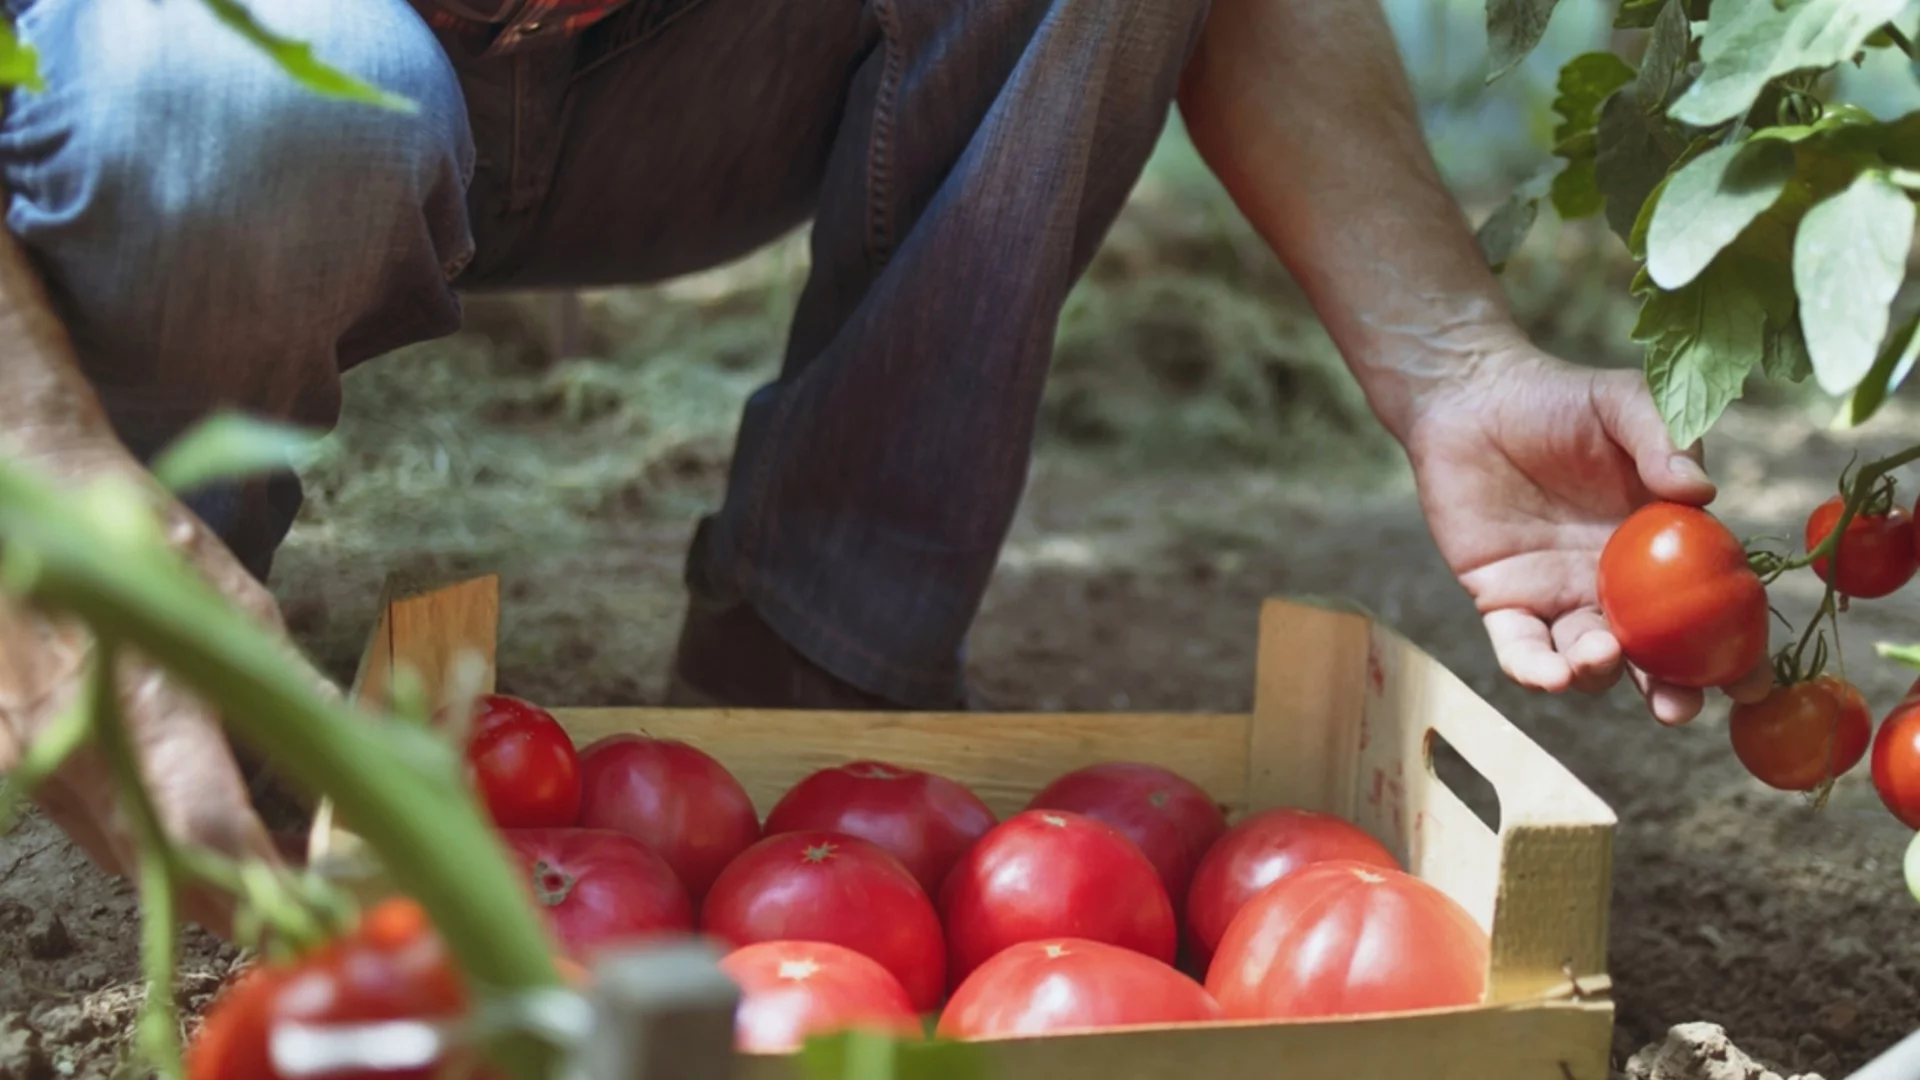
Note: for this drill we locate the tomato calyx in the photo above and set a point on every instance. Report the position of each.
(552, 885)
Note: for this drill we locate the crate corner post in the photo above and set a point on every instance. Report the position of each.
(1309, 684)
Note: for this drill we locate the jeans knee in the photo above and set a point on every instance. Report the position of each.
(175, 184)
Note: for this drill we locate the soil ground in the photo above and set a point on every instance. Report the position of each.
(1124, 587)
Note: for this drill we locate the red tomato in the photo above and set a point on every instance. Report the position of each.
(1877, 553)
(523, 763)
(1682, 601)
(1050, 874)
(1346, 938)
(925, 821)
(601, 887)
(1802, 734)
(824, 886)
(1065, 984)
(1896, 760)
(793, 990)
(1167, 816)
(393, 966)
(672, 797)
(1258, 851)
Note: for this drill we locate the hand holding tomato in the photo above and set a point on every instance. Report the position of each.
(1525, 469)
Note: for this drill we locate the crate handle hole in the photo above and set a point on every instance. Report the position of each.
(1465, 781)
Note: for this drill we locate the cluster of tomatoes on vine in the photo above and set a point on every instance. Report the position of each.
(1688, 603)
(885, 898)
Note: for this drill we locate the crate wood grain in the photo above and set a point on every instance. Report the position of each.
(1345, 719)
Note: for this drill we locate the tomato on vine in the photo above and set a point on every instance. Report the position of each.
(1677, 590)
(1803, 734)
(1877, 552)
(1896, 759)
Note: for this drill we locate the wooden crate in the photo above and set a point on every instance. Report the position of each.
(1345, 718)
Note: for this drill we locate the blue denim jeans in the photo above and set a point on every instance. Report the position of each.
(214, 236)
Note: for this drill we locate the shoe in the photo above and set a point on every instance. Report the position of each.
(729, 658)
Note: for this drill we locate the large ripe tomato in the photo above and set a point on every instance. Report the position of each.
(1802, 734)
(1168, 817)
(1051, 874)
(1343, 939)
(523, 763)
(1258, 851)
(1064, 984)
(1896, 760)
(925, 821)
(824, 886)
(793, 990)
(1877, 552)
(600, 887)
(1676, 589)
(392, 966)
(672, 797)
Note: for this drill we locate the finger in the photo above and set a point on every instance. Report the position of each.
(1670, 705)
(1525, 651)
(1753, 687)
(1627, 411)
(1586, 642)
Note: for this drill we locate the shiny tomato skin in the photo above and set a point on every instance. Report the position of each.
(792, 990)
(1877, 553)
(523, 763)
(1798, 733)
(824, 886)
(1051, 874)
(1896, 760)
(598, 887)
(1055, 985)
(1168, 817)
(672, 797)
(1344, 939)
(392, 966)
(924, 820)
(1677, 592)
(1259, 850)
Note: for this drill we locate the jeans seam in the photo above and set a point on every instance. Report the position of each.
(881, 142)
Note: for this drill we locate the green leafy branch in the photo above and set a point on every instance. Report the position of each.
(1772, 229)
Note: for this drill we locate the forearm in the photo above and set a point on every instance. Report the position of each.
(47, 408)
(1303, 110)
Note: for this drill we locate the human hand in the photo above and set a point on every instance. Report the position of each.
(1525, 468)
(190, 770)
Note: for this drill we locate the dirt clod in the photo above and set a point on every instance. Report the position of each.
(1700, 1051)
(48, 939)
(21, 1056)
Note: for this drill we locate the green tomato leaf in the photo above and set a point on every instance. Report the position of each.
(1514, 27)
(229, 446)
(1848, 261)
(1910, 866)
(1636, 152)
(1585, 82)
(19, 64)
(1785, 358)
(1665, 55)
(1899, 654)
(1702, 343)
(1638, 14)
(1749, 42)
(1708, 203)
(1576, 194)
(296, 59)
(1890, 368)
(1506, 229)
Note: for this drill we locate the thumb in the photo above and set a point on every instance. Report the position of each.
(1626, 410)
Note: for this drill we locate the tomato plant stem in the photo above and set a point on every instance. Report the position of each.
(87, 561)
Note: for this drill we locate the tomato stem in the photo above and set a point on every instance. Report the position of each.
(1858, 490)
(82, 558)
